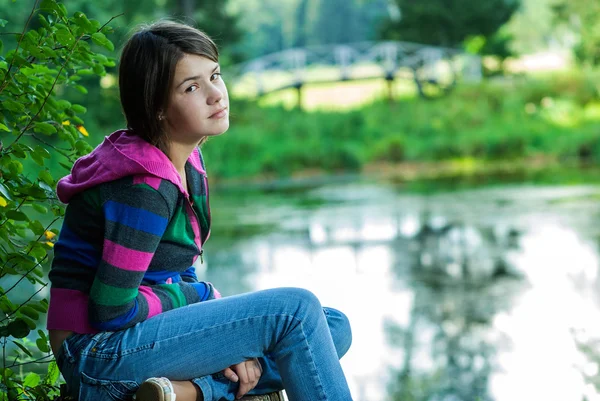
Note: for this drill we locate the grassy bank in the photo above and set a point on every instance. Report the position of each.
(552, 118)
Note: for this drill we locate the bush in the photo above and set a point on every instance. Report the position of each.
(44, 133)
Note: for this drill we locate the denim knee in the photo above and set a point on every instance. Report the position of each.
(340, 329)
(304, 302)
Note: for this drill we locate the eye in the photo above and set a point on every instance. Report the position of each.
(191, 88)
(215, 76)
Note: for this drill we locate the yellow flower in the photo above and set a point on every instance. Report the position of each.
(67, 122)
(49, 235)
(3, 202)
(50, 244)
(83, 131)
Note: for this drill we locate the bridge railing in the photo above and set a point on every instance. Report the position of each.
(293, 68)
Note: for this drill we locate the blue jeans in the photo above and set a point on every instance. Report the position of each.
(298, 343)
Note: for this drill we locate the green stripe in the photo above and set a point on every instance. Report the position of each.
(104, 294)
(202, 212)
(92, 196)
(179, 229)
(145, 186)
(175, 294)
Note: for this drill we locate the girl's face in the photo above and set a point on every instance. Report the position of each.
(198, 103)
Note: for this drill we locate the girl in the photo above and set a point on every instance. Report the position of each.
(127, 313)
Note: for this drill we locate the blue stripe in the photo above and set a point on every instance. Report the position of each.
(70, 247)
(119, 322)
(191, 273)
(160, 277)
(136, 218)
(202, 289)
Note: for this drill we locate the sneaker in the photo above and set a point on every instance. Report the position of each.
(264, 397)
(155, 389)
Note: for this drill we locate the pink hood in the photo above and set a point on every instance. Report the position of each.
(120, 155)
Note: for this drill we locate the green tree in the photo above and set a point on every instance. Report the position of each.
(211, 17)
(447, 23)
(582, 18)
(42, 135)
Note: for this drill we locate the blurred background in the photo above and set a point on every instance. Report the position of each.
(428, 167)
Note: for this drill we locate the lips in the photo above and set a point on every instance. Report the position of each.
(219, 114)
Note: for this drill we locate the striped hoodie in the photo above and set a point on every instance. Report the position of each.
(130, 237)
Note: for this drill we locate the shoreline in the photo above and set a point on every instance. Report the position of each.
(459, 170)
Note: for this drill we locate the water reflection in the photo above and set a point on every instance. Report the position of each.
(471, 295)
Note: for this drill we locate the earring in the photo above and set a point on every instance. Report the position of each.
(161, 117)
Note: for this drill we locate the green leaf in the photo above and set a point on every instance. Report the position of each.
(77, 108)
(100, 39)
(81, 88)
(42, 335)
(5, 192)
(46, 177)
(44, 21)
(32, 379)
(6, 306)
(39, 208)
(36, 227)
(53, 373)
(82, 21)
(29, 312)
(63, 104)
(42, 152)
(49, 51)
(39, 160)
(38, 252)
(64, 36)
(48, 5)
(39, 307)
(62, 9)
(13, 106)
(3, 23)
(42, 345)
(2, 126)
(15, 167)
(99, 69)
(45, 187)
(17, 216)
(85, 72)
(82, 146)
(44, 128)
(18, 328)
(23, 348)
(30, 323)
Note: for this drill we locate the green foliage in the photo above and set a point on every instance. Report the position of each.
(439, 22)
(581, 18)
(41, 130)
(555, 117)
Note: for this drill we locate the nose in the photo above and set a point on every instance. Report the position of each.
(215, 95)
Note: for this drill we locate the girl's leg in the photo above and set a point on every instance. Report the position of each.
(288, 324)
(270, 381)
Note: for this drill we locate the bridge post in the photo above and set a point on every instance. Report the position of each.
(389, 80)
(298, 86)
(390, 53)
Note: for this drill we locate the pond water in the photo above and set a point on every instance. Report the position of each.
(474, 294)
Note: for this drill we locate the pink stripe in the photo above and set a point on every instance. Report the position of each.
(152, 181)
(154, 305)
(194, 160)
(125, 258)
(68, 310)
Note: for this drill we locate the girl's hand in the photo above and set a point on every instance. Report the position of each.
(247, 373)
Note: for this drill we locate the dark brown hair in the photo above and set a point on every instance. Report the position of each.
(146, 71)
